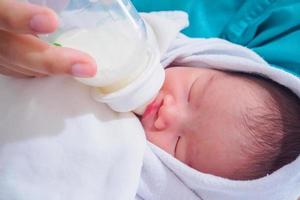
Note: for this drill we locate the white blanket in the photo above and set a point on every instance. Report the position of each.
(57, 143)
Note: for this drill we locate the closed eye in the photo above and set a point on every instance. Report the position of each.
(190, 91)
(176, 145)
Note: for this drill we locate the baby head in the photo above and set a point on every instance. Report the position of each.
(228, 124)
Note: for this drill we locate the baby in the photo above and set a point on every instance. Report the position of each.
(228, 124)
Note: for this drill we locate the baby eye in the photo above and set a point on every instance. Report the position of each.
(189, 96)
(176, 146)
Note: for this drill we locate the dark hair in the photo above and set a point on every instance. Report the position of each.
(274, 129)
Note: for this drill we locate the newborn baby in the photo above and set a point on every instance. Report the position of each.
(229, 124)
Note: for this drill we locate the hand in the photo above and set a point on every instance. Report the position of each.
(23, 54)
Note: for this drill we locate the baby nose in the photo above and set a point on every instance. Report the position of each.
(168, 114)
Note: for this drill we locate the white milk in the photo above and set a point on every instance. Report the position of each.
(119, 54)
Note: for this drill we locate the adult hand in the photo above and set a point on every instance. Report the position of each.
(22, 54)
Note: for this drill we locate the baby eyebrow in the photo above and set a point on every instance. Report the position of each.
(206, 87)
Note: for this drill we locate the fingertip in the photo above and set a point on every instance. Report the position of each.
(24, 17)
(45, 22)
(71, 61)
(83, 66)
(83, 70)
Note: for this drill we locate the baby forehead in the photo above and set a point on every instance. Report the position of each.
(241, 83)
(230, 95)
(244, 96)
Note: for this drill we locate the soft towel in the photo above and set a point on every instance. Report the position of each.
(57, 143)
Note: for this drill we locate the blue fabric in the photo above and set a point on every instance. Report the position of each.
(269, 27)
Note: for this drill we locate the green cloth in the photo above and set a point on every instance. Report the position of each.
(269, 27)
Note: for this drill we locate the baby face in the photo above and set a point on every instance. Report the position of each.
(197, 118)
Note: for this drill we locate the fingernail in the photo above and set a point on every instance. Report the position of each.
(83, 70)
(41, 23)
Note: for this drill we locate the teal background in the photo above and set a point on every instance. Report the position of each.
(269, 27)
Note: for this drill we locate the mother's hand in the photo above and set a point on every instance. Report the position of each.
(22, 54)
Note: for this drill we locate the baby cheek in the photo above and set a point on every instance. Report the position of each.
(163, 140)
(190, 151)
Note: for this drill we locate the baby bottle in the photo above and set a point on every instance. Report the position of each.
(129, 73)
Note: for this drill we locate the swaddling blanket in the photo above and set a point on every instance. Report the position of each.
(164, 177)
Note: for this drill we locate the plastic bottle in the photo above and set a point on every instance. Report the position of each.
(129, 73)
